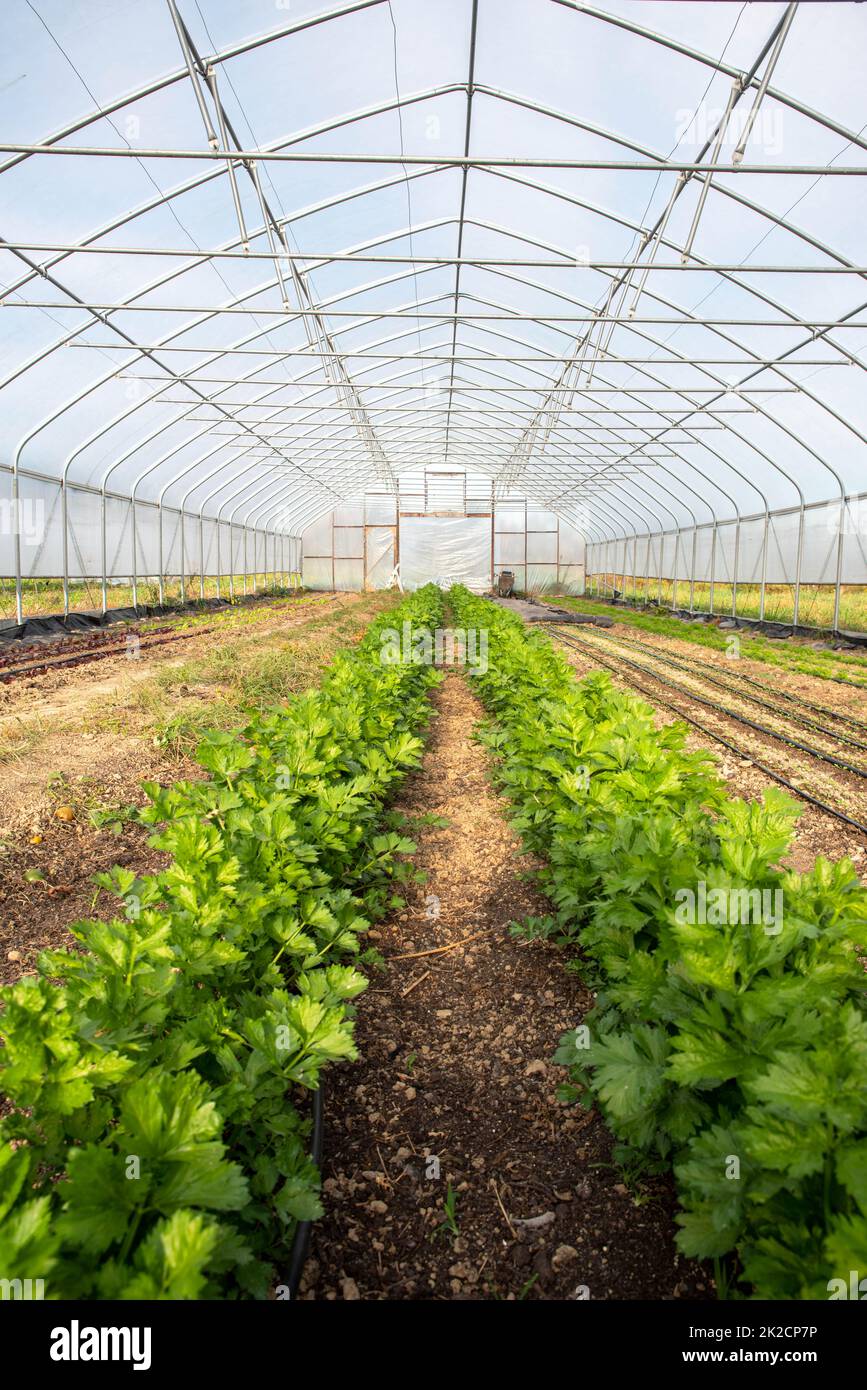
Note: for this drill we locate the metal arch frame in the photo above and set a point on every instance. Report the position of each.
(171, 382)
(58, 413)
(727, 69)
(180, 74)
(48, 351)
(690, 464)
(194, 487)
(822, 405)
(790, 478)
(215, 353)
(362, 191)
(506, 231)
(170, 482)
(541, 498)
(552, 192)
(301, 377)
(638, 449)
(246, 522)
(553, 358)
(708, 409)
(339, 12)
(504, 96)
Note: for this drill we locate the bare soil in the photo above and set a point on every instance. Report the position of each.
(455, 1088)
(64, 692)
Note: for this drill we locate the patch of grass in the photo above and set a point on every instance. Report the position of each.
(46, 595)
(181, 733)
(18, 740)
(242, 669)
(815, 603)
(249, 672)
(291, 668)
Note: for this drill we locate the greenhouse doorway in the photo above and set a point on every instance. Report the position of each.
(458, 549)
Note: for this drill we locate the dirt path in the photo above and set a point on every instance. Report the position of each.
(455, 1087)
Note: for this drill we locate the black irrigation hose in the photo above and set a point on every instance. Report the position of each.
(751, 680)
(98, 653)
(699, 672)
(742, 719)
(301, 1242)
(839, 680)
(642, 612)
(711, 733)
(843, 716)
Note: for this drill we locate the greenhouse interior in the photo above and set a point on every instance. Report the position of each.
(434, 847)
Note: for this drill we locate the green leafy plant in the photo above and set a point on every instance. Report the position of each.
(448, 1224)
(733, 1053)
(154, 1145)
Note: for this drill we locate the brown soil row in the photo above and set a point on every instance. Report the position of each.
(455, 1087)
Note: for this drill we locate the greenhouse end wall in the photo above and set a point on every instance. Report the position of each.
(362, 546)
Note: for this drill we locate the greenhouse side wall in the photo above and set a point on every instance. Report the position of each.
(72, 548)
(806, 566)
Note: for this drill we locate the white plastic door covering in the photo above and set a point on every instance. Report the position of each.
(379, 556)
(445, 547)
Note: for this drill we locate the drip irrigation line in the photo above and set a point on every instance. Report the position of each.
(711, 733)
(73, 650)
(742, 719)
(669, 659)
(35, 668)
(652, 611)
(762, 685)
(301, 1241)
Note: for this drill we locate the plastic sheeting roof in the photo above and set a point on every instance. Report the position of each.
(511, 235)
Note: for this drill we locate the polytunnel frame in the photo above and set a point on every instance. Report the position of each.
(227, 156)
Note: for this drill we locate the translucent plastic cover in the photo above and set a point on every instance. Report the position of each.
(256, 259)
